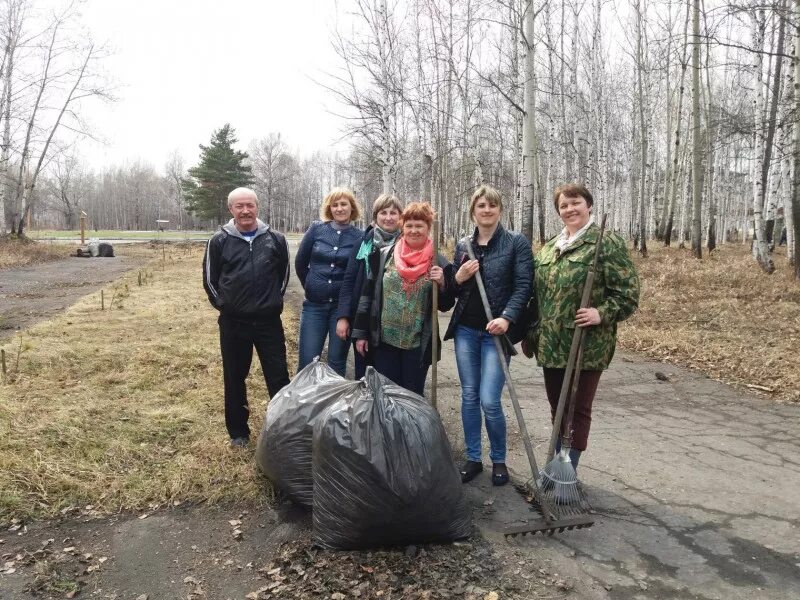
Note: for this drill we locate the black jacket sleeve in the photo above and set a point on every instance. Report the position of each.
(447, 297)
(362, 323)
(523, 279)
(284, 248)
(348, 284)
(211, 268)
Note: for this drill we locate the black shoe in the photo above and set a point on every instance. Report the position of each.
(499, 474)
(470, 470)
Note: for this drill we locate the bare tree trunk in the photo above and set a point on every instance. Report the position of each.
(697, 156)
(642, 234)
(760, 248)
(670, 204)
(796, 194)
(529, 125)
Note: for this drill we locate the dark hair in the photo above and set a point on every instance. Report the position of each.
(572, 190)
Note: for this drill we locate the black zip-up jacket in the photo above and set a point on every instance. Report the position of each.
(507, 271)
(246, 278)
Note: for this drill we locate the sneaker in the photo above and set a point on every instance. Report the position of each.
(499, 474)
(239, 442)
(470, 470)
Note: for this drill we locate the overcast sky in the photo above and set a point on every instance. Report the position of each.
(185, 67)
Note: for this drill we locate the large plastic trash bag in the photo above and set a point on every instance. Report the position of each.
(284, 446)
(383, 472)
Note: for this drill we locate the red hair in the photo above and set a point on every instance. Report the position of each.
(418, 211)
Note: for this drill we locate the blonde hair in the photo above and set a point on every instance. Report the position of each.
(337, 194)
(488, 192)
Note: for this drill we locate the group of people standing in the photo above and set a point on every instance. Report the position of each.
(372, 289)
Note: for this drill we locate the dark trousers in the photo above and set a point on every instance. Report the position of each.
(359, 363)
(401, 366)
(237, 338)
(582, 420)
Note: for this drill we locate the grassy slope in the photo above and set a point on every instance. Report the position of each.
(721, 315)
(123, 408)
(15, 253)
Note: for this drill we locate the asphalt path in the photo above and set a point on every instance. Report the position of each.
(695, 485)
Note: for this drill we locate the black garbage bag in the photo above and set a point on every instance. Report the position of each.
(284, 446)
(383, 472)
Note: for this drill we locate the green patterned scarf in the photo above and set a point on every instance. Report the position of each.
(380, 239)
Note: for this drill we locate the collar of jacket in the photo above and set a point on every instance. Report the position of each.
(230, 229)
(589, 237)
(495, 236)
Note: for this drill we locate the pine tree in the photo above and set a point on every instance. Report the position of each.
(221, 169)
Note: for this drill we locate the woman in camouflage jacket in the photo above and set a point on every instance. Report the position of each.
(560, 272)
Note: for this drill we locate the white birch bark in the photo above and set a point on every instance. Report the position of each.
(760, 248)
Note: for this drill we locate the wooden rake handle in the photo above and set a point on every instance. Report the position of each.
(577, 343)
(435, 320)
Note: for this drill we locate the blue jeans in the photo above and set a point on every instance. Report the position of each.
(482, 381)
(318, 321)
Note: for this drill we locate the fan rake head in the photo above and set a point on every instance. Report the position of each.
(559, 485)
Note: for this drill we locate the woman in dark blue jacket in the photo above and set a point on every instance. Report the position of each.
(506, 266)
(384, 230)
(320, 264)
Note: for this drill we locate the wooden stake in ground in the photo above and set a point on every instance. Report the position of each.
(102, 301)
(3, 363)
(435, 317)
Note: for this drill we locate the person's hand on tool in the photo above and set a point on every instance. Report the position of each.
(497, 326)
(436, 274)
(342, 328)
(362, 347)
(586, 317)
(467, 270)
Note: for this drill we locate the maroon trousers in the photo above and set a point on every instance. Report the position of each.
(582, 420)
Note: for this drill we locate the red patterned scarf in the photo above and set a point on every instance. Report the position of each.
(412, 264)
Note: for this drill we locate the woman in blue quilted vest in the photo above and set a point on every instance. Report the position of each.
(320, 263)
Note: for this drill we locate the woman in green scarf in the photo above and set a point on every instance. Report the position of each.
(385, 228)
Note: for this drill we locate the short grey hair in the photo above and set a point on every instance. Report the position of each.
(242, 191)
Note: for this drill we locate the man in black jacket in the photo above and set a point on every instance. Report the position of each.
(245, 273)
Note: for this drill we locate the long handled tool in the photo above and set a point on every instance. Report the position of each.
(560, 481)
(550, 524)
(435, 318)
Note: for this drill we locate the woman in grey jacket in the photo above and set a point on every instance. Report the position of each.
(506, 265)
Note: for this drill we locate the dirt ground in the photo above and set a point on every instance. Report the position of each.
(37, 292)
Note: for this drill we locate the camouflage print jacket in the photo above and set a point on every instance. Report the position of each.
(559, 285)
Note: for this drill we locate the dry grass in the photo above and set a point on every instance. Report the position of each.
(22, 252)
(722, 316)
(122, 409)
